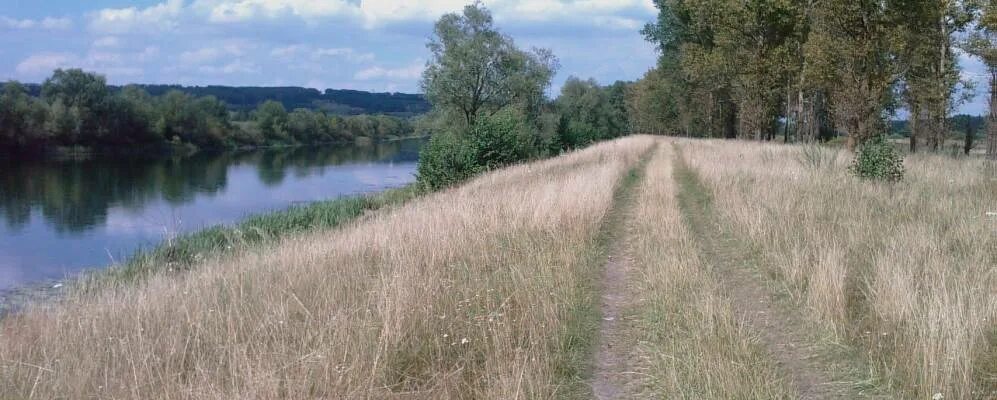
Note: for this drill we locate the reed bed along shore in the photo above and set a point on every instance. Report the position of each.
(906, 272)
(474, 292)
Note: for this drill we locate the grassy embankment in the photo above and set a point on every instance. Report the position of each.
(489, 290)
(484, 291)
(903, 272)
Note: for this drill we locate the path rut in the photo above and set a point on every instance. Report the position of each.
(782, 331)
(609, 380)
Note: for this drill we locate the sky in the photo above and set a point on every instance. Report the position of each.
(373, 45)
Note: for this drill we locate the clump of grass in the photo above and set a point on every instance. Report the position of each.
(466, 293)
(904, 272)
(816, 157)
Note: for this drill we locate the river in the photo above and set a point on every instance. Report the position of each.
(58, 218)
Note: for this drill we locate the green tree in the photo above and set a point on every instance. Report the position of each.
(849, 50)
(21, 117)
(591, 112)
(983, 44)
(87, 96)
(271, 117)
(925, 38)
(475, 68)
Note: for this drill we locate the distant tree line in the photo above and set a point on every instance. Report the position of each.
(78, 109)
(245, 99)
(808, 70)
(490, 107)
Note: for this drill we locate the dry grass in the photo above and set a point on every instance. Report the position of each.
(469, 293)
(907, 272)
(691, 344)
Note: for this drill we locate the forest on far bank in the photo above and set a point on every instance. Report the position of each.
(78, 110)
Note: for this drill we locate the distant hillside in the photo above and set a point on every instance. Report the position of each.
(343, 102)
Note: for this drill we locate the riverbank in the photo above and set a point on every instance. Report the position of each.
(84, 153)
(181, 253)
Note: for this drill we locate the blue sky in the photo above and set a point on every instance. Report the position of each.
(376, 45)
(369, 45)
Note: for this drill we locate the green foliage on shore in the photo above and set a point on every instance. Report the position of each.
(490, 104)
(77, 109)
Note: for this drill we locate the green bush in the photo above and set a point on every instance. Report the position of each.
(494, 141)
(877, 159)
(446, 160)
(502, 139)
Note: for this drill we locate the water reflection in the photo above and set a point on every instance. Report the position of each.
(92, 211)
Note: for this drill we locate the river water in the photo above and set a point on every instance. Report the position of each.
(58, 218)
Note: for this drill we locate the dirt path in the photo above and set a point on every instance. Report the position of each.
(611, 360)
(609, 379)
(781, 330)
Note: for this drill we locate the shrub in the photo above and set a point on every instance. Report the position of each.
(877, 159)
(502, 139)
(446, 160)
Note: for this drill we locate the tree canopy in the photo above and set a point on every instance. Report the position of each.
(475, 68)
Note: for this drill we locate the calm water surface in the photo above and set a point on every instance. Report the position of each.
(57, 218)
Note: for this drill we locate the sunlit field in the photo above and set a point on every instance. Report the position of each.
(907, 272)
(491, 290)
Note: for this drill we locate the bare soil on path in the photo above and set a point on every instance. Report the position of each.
(609, 379)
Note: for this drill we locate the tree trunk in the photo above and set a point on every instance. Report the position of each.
(913, 125)
(992, 123)
(968, 146)
(730, 120)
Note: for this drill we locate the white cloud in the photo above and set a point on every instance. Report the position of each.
(411, 72)
(200, 56)
(228, 49)
(374, 13)
(107, 41)
(234, 67)
(317, 54)
(115, 65)
(288, 51)
(344, 52)
(229, 11)
(377, 12)
(46, 23)
(44, 63)
(56, 23)
(160, 17)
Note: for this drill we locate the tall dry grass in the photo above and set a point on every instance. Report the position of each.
(907, 271)
(470, 293)
(691, 346)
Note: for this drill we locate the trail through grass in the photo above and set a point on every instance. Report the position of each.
(612, 358)
(812, 369)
